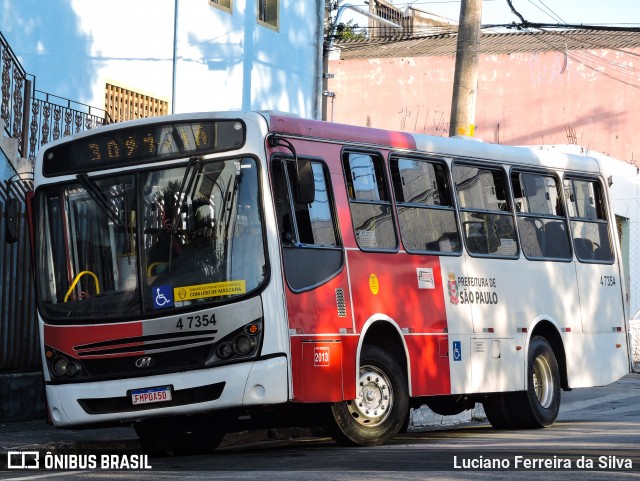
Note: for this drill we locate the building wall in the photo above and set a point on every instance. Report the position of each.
(523, 98)
(224, 61)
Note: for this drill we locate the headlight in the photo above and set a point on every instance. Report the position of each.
(241, 343)
(62, 366)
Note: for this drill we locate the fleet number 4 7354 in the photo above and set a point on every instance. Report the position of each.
(196, 322)
(607, 281)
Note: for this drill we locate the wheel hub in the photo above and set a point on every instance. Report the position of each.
(375, 397)
(543, 381)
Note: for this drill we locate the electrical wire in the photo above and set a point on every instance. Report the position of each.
(548, 11)
(575, 56)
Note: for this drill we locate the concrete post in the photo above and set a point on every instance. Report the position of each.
(465, 80)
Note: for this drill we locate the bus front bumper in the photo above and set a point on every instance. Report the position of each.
(261, 382)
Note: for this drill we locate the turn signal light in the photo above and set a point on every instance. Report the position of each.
(252, 329)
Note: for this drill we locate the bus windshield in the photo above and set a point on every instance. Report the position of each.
(136, 244)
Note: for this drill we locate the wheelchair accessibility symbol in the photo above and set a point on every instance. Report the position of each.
(162, 297)
(457, 351)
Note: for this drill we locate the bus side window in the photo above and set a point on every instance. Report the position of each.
(485, 212)
(426, 215)
(541, 221)
(369, 202)
(589, 223)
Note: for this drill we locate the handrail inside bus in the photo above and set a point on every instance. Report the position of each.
(153, 265)
(77, 278)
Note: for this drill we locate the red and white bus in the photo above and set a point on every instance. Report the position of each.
(200, 273)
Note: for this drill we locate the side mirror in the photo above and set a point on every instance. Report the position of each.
(12, 211)
(306, 191)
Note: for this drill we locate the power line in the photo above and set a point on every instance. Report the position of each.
(572, 55)
(548, 11)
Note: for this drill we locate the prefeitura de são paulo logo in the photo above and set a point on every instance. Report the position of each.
(452, 285)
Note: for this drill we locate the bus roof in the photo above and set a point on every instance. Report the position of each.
(453, 147)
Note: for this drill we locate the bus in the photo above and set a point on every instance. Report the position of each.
(198, 274)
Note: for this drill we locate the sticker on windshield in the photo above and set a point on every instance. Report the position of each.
(162, 297)
(203, 291)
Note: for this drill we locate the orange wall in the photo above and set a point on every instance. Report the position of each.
(523, 98)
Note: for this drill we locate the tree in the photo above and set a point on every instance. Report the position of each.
(350, 31)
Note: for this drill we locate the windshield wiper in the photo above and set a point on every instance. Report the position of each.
(100, 199)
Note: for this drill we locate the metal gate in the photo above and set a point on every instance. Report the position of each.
(19, 344)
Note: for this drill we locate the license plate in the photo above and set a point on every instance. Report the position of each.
(151, 395)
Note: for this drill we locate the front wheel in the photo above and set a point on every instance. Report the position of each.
(382, 404)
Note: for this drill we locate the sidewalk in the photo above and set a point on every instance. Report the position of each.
(42, 436)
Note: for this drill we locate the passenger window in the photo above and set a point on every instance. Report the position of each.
(310, 241)
(487, 221)
(369, 202)
(426, 215)
(541, 221)
(589, 222)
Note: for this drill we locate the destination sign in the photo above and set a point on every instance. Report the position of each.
(142, 143)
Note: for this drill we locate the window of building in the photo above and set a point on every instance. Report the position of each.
(222, 4)
(268, 13)
(426, 215)
(369, 201)
(589, 223)
(542, 223)
(308, 232)
(485, 212)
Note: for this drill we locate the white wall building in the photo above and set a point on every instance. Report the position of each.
(196, 54)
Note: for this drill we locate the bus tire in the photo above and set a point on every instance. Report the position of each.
(179, 435)
(498, 410)
(541, 401)
(538, 406)
(381, 408)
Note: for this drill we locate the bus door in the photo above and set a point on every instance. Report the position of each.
(317, 288)
(597, 274)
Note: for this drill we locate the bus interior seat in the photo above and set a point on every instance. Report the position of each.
(584, 248)
(476, 236)
(531, 238)
(603, 251)
(556, 240)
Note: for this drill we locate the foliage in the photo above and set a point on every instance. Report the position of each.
(350, 31)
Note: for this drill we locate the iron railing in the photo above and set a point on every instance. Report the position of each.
(15, 93)
(53, 117)
(35, 117)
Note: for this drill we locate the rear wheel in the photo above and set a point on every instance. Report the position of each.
(179, 435)
(543, 385)
(539, 405)
(382, 404)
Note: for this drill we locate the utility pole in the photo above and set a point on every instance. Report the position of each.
(465, 77)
